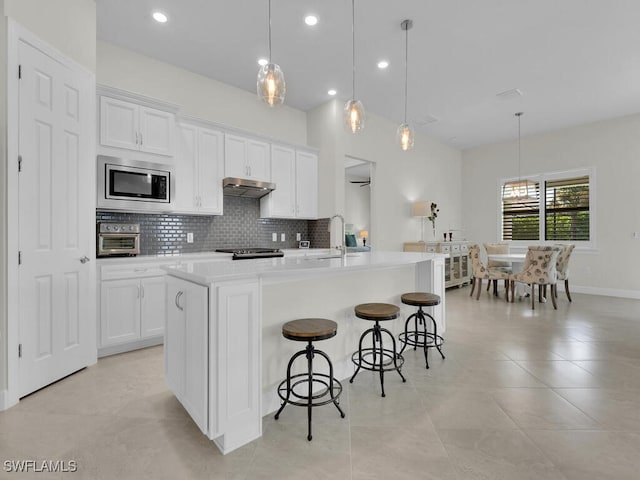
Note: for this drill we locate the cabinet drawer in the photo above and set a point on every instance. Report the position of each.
(142, 270)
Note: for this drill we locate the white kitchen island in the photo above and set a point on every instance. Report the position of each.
(224, 351)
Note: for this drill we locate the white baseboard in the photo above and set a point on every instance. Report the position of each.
(4, 400)
(605, 292)
(127, 347)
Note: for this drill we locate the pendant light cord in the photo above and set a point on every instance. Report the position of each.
(519, 114)
(269, 31)
(353, 47)
(406, 71)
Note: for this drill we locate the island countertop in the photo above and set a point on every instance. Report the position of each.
(206, 271)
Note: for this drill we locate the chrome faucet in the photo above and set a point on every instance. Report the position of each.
(343, 247)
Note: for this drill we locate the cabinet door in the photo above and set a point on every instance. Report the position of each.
(209, 172)
(306, 185)
(186, 347)
(174, 345)
(186, 177)
(235, 155)
(152, 306)
(156, 131)
(259, 160)
(119, 311)
(281, 202)
(238, 336)
(118, 123)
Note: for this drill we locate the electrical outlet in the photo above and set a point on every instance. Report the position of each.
(274, 237)
(283, 237)
(190, 237)
(298, 237)
(635, 235)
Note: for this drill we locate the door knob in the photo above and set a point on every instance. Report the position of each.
(84, 259)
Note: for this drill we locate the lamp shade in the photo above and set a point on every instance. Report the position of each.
(271, 85)
(421, 209)
(364, 233)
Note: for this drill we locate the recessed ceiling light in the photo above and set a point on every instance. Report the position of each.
(311, 20)
(160, 17)
(382, 64)
(262, 62)
(332, 92)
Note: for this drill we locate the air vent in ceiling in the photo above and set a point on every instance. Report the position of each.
(509, 94)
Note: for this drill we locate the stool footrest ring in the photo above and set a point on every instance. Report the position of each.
(374, 366)
(322, 397)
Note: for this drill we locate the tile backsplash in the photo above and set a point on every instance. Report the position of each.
(240, 226)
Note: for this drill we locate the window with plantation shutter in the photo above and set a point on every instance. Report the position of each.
(560, 212)
(567, 209)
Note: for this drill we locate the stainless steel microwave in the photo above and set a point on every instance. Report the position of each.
(134, 185)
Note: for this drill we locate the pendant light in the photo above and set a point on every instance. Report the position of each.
(404, 134)
(271, 86)
(353, 109)
(519, 190)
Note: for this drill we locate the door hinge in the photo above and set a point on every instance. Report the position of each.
(19, 350)
(19, 71)
(19, 257)
(19, 163)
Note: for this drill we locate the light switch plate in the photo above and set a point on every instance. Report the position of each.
(190, 237)
(282, 237)
(274, 237)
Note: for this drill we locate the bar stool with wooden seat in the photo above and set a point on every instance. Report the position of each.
(377, 358)
(420, 336)
(298, 389)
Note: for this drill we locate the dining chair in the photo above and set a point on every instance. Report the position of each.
(539, 269)
(480, 272)
(497, 249)
(562, 266)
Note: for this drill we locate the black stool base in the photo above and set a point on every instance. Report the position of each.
(421, 338)
(330, 393)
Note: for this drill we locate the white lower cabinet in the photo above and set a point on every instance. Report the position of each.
(131, 309)
(213, 348)
(186, 347)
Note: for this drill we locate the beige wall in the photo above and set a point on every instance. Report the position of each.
(198, 96)
(68, 25)
(612, 148)
(430, 171)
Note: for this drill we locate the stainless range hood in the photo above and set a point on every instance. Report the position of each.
(242, 187)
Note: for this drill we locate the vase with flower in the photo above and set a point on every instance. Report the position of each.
(433, 216)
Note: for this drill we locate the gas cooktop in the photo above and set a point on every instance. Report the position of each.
(247, 253)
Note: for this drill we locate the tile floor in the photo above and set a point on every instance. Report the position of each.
(522, 394)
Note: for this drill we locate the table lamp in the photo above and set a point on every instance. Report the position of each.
(421, 209)
(363, 236)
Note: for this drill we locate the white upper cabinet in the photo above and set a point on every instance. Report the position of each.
(246, 158)
(199, 166)
(135, 127)
(295, 174)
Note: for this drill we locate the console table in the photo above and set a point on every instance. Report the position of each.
(457, 265)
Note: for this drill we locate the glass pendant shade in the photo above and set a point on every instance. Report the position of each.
(271, 85)
(354, 115)
(519, 191)
(405, 136)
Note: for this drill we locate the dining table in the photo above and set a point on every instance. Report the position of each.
(517, 262)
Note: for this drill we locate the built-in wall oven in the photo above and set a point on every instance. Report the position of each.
(117, 239)
(134, 185)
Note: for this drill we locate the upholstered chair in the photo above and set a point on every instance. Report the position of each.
(496, 249)
(480, 272)
(562, 266)
(539, 269)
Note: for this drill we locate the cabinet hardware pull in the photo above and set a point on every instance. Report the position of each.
(142, 290)
(138, 292)
(178, 295)
(140, 138)
(84, 259)
(140, 269)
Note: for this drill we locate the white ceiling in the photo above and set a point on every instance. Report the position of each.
(575, 61)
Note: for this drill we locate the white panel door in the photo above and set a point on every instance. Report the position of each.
(209, 172)
(152, 306)
(56, 220)
(118, 123)
(306, 185)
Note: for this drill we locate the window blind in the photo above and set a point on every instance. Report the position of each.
(521, 219)
(567, 209)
